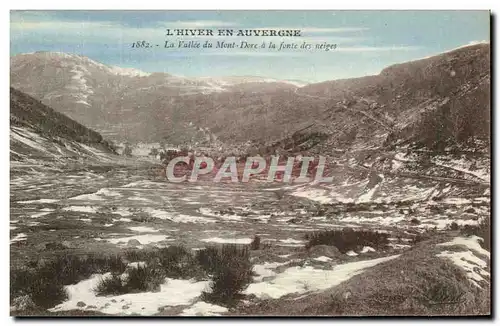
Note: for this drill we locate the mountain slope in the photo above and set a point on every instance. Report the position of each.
(434, 102)
(38, 134)
(115, 101)
(452, 89)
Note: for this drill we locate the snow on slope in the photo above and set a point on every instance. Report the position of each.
(27, 146)
(132, 72)
(235, 80)
(473, 259)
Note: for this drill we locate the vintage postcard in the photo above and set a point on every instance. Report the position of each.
(250, 163)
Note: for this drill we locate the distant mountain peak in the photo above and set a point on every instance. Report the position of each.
(83, 60)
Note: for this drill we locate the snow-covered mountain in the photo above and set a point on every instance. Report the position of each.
(119, 102)
(399, 104)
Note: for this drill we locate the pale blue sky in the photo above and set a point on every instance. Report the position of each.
(367, 41)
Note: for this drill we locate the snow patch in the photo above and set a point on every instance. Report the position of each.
(19, 237)
(230, 240)
(131, 72)
(122, 211)
(36, 215)
(142, 229)
(290, 240)
(83, 209)
(473, 265)
(41, 201)
(318, 195)
(367, 249)
(172, 293)
(471, 242)
(203, 309)
(143, 239)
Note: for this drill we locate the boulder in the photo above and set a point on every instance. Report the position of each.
(324, 250)
(133, 242)
(56, 245)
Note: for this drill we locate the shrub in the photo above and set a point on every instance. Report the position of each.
(47, 293)
(482, 230)
(71, 269)
(66, 269)
(116, 265)
(175, 261)
(43, 288)
(255, 244)
(44, 283)
(110, 286)
(208, 259)
(232, 272)
(347, 239)
(20, 280)
(179, 262)
(104, 264)
(133, 255)
(144, 279)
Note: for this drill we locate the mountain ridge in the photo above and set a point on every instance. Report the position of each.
(160, 107)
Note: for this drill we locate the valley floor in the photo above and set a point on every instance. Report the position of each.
(115, 209)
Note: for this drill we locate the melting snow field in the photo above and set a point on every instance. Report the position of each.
(152, 213)
(471, 242)
(473, 265)
(304, 279)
